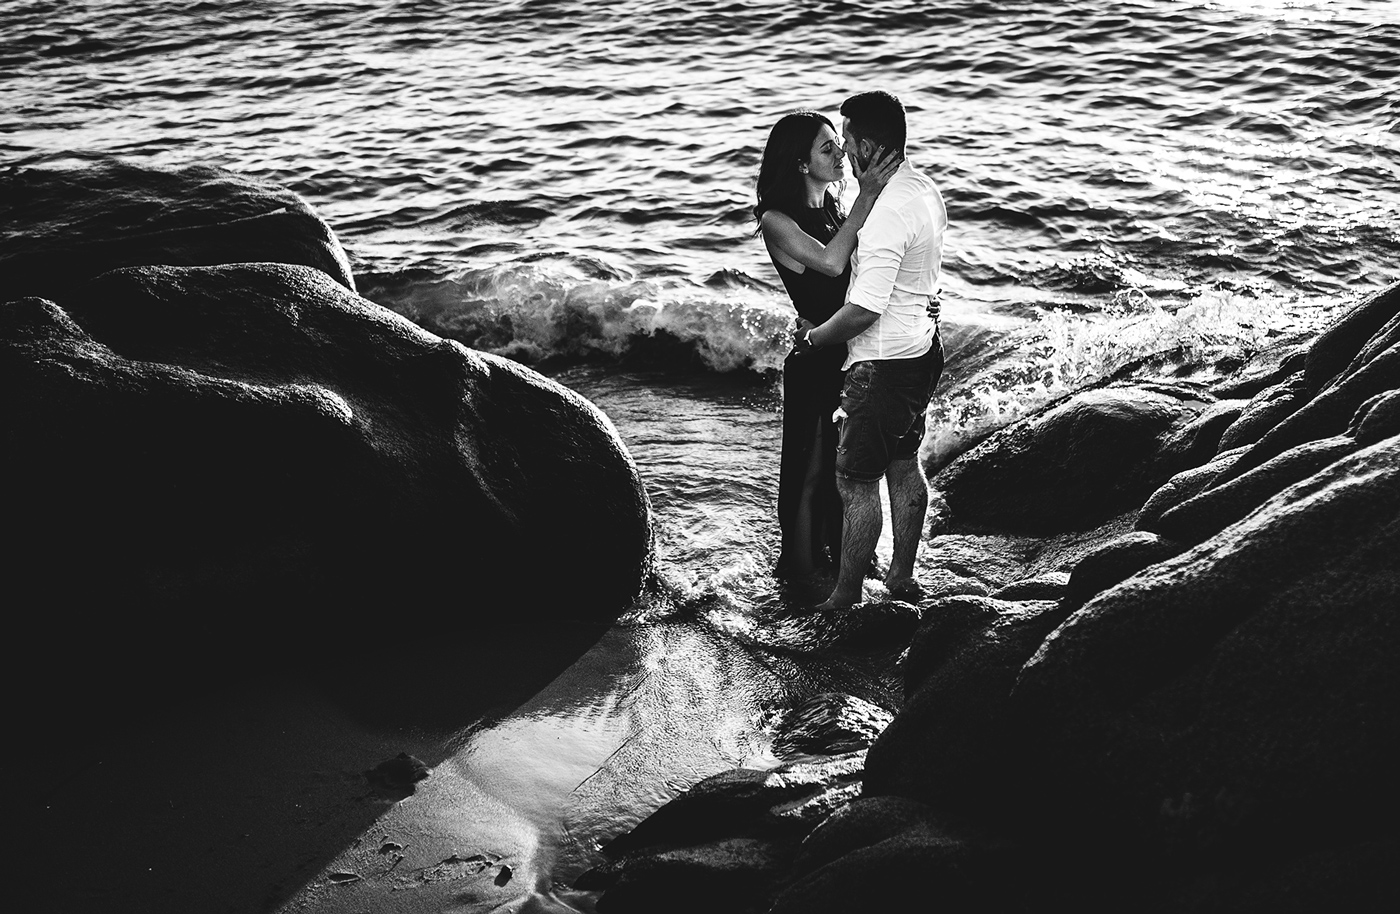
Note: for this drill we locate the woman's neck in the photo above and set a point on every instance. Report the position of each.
(816, 192)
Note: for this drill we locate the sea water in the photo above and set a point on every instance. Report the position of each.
(1167, 182)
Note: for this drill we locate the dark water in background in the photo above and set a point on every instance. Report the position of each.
(568, 184)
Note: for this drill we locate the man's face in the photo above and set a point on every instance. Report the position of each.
(858, 151)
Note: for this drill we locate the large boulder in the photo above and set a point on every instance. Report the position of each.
(61, 226)
(948, 746)
(1071, 467)
(1239, 702)
(1113, 562)
(1266, 409)
(1213, 510)
(259, 436)
(1186, 485)
(1327, 418)
(1332, 403)
(1267, 367)
(1336, 347)
(222, 472)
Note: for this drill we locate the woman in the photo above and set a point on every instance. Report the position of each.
(810, 241)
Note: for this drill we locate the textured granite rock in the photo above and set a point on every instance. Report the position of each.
(61, 226)
(259, 436)
(1070, 467)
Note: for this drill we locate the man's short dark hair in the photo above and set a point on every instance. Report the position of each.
(876, 116)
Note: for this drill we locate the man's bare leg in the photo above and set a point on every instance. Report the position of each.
(862, 517)
(908, 507)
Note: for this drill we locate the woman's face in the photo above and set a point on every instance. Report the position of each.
(826, 162)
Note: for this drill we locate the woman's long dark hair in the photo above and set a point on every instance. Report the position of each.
(780, 184)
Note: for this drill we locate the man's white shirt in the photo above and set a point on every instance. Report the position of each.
(894, 270)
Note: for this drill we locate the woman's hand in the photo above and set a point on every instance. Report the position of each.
(882, 167)
(804, 327)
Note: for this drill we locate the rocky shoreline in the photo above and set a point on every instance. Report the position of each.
(1155, 671)
(1154, 668)
(226, 464)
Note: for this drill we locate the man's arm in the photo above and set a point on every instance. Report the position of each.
(882, 242)
(846, 324)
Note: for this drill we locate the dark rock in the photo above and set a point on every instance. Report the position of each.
(398, 775)
(1047, 586)
(1266, 367)
(1334, 349)
(1070, 467)
(60, 227)
(1354, 877)
(726, 843)
(732, 874)
(267, 473)
(1375, 371)
(955, 564)
(1377, 419)
(861, 823)
(864, 627)
(1267, 409)
(948, 745)
(829, 724)
(1115, 562)
(1239, 702)
(743, 802)
(1197, 441)
(911, 871)
(1185, 485)
(1204, 515)
(256, 436)
(945, 625)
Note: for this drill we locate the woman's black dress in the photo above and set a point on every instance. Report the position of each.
(811, 393)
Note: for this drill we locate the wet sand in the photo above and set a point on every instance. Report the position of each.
(235, 789)
(250, 794)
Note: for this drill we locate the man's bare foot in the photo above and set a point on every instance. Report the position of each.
(841, 600)
(907, 590)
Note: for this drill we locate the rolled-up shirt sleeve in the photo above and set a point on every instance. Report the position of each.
(879, 252)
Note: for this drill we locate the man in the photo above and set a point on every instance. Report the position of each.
(895, 357)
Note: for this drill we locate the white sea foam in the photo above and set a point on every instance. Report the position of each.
(535, 312)
(1009, 375)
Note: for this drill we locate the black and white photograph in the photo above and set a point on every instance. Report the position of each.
(721, 457)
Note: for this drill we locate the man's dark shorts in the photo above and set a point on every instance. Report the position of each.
(885, 403)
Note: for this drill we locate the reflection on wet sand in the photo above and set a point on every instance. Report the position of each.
(522, 806)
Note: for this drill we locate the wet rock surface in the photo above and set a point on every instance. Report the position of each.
(63, 226)
(726, 843)
(1197, 715)
(397, 777)
(259, 432)
(223, 459)
(1071, 466)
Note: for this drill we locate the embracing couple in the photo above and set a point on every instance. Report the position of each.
(867, 351)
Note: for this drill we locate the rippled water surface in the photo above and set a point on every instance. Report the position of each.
(1198, 140)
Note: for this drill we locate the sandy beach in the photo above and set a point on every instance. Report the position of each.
(239, 795)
